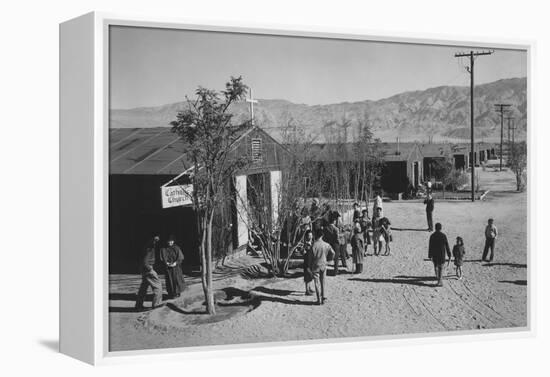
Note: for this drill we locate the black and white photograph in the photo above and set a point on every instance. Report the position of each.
(278, 188)
(284, 188)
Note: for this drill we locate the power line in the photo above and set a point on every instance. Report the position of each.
(470, 70)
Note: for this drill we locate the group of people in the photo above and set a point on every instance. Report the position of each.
(438, 249)
(325, 238)
(171, 259)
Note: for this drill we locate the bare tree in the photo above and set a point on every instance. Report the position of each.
(442, 170)
(518, 164)
(368, 161)
(206, 128)
(274, 222)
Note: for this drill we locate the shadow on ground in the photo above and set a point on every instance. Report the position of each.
(514, 265)
(410, 229)
(401, 279)
(516, 282)
(130, 297)
(230, 302)
(52, 345)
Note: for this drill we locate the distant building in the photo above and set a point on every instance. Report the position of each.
(433, 153)
(402, 168)
(462, 154)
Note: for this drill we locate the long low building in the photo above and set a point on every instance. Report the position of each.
(459, 155)
(143, 160)
(402, 165)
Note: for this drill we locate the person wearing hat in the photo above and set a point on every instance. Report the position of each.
(172, 257)
(149, 276)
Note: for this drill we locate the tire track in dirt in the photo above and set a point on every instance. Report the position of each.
(470, 295)
(419, 307)
(473, 304)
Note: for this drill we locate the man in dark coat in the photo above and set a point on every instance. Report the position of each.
(438, 248)
(331, 235)
(149, 276)
(429, 201)
(172, 257)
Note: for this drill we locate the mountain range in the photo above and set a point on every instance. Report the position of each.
(439, 113)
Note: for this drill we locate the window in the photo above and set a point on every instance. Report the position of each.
(257, 150)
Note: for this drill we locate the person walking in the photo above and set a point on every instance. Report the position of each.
(308, 275)
(320, 252)
(357, 248)
(458, 255)
(438, 248)
(429, 202)
(172, 257)
(149, 276)
(491, 234)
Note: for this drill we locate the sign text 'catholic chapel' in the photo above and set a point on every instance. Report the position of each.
(175, 196)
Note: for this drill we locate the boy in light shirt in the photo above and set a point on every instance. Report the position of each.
(491, 234)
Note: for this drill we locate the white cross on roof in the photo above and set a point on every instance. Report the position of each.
(251, 101)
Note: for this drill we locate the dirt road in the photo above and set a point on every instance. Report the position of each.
(393, 295)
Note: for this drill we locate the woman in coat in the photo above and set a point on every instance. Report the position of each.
(172, 257)
(308, 275)
(357, 248)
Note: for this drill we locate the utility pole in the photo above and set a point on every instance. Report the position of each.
(501, 108)
(509, 118)
(470, 70)
(513, 151)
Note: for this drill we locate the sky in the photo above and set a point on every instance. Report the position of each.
(153, 66)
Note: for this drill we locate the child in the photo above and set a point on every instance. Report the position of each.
(458, 254)
(491, 234)
(365, 227)
(385, 232)
(308, 276)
